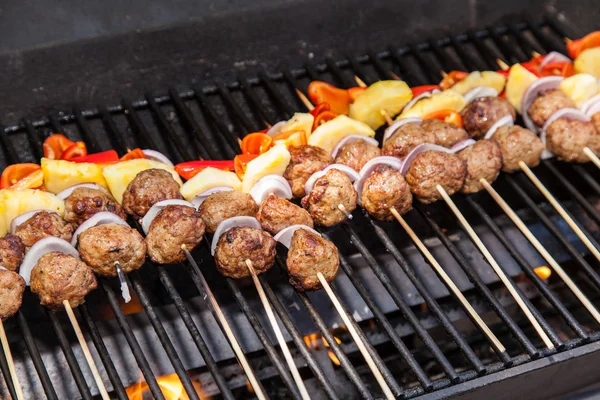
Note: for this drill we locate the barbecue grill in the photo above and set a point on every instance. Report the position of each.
(419, 337)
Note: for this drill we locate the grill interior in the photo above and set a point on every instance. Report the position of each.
(417, 333)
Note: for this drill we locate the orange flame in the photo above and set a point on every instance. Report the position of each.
(170, 386)
(312, 342)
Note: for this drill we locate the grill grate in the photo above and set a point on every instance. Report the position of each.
(207, 121)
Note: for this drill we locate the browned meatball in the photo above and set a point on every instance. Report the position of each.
(432, 168)
(547, 103)
(406, 138)
(172, 228)
(330, 190)
(224, 205)
(383, 189)
(276, 214)
(102, 246)
(12, 286)
(567, 138)
(483, 112)
(310, 253)
(148, 188)
(518, 144)
(243, 243)
(484, 160)
(357, 154)
(58, 277)
(596, 121)
(83, 203)
(42, 225)
(12, 251)
(305, 161)
(446, 134)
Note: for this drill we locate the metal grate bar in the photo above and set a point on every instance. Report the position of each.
(137, 126)
(7, 376)
(172, 151)
(117, 141)
(594, 184)
(225, 94)
(34, 139)
(188, 123)
(91, 140)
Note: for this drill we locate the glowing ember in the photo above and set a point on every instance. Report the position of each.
(170, 385)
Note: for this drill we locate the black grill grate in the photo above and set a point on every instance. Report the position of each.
(207, 121)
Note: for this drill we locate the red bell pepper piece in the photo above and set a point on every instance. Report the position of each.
(417, 90)
(256, 143)
(322, 92)
(55, 145)
(189, 169)
(322, 118)
(105, 157)
(241, 162)
(319, 108)
(564, 69)
(133, 155)
(77, 149)
(576, 47)
(16, 173)
(449, 116)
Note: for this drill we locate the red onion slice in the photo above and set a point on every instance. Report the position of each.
(21, 219)
(507, 120)
(199, 199)
(407, 161)
(370, 166)
(276, 129)
(101, 218)
(69, 191)
(591, 106)
(42, 247)
(157, 156)
(416, 99)
(351, 139)
(569, 113)
(285, 235)
(552, 57)
(231, 223)
(480, 91)
(156, 208)
(463, 144)
(396, 125)
(351, 172)
(275, 184)
(542, 84)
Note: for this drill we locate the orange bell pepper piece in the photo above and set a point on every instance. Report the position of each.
(417, 90)
(564, 69)
(55, 145)
(240, 163)
(452, 79)
(292, 138)
(354, 92)
(17, 173)
(322, 92)
(133, 154)
(449, 116)
(576, 47)
(77, 149)
(256, 143)
(187, 170)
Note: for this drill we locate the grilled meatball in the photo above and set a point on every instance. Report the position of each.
(518, 144)
(12, 286)
(223, 205)
(406, 138)
(432, 168)
(383, 189)
(310, 253)
(243, 243)
(567, 138)
(483, 112)
(357, 154)
(276, 214)
(102, 246)
(547, 103)
(305, 161)
(148, 188)
(596, 121)
(58, 277)
(173, 227)
(446, 134)
(42, 225)
(83, 203)
(484, 160)
(12, 251)
(331, 190)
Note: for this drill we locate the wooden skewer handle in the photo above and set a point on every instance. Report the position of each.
(11, 362)
(588, 152)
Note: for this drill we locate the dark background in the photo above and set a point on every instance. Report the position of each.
(56, 53)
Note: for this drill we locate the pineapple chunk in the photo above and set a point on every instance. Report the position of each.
(273, 162)
(299, 121)
(390, 96)
(209, 178)
(446, 100)
(580, 87)
(16, 202)
(59, 174)
(120, 174)
(519, 79)
(588, 62)
(331, 132)
(484, 78)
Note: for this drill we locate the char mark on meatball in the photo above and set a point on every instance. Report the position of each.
(42, 225)
(243, 243)
(148, 188)
(305, 160)
(483, 112)
(83, 203)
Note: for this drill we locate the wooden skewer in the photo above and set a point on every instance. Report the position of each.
(595, 159)
(359, 81)
(357, 339)
(442, 273)
(395, 77)
(540, 248)
(343, 209)
(237, 349)
(504, 66)
(563, 213)
(507, 282)
(567, 40)
(535, 54)
(86, 350)
(282, 343)
(11, 363)
(305, 100)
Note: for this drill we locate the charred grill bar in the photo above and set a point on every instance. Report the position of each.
(221, 105)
